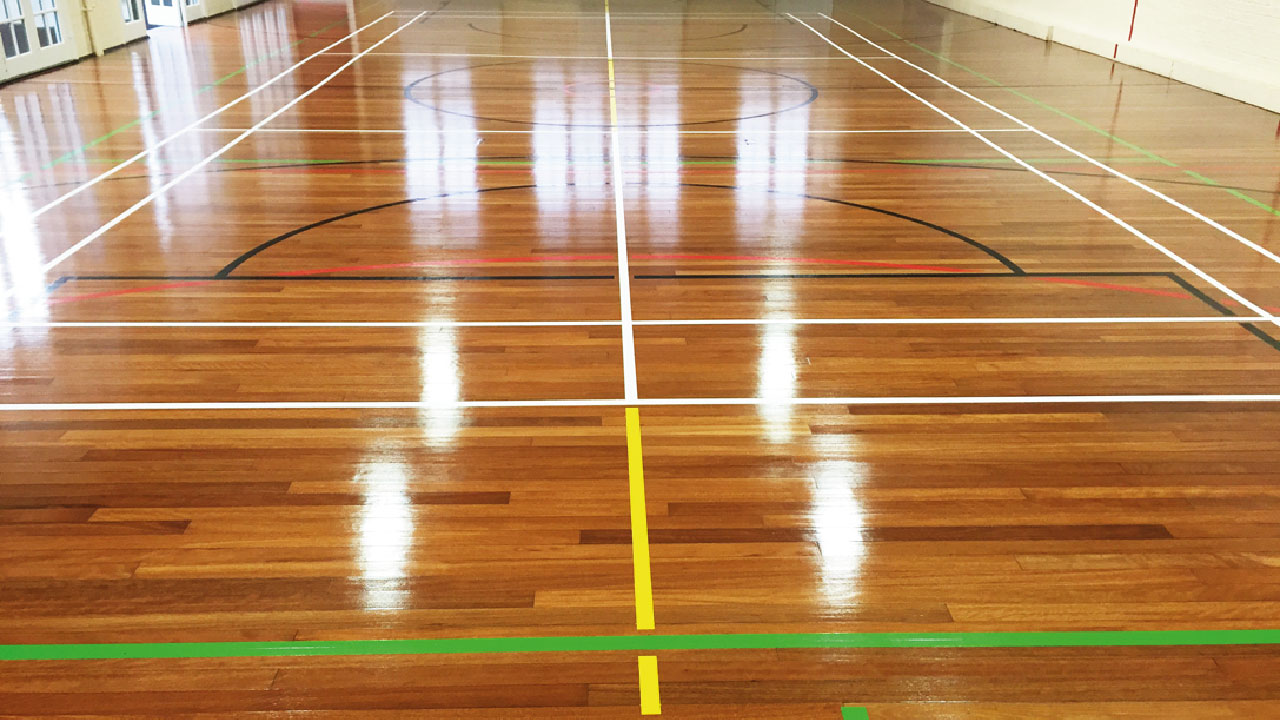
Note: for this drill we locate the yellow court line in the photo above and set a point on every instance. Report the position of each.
(639, 523)
(649, 702)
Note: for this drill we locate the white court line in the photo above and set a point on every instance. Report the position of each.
(1215, 319)
(538, 15)
(1051, 180)
(191, 126)
(1101, 165)
(634, 402)
(629, 387)
(210, 158)
(308, 324)
(598, 130)
(605, 57)
(960, 321)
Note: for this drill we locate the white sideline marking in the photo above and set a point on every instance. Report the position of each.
(1103, 166)
(399, 131)
(191, 126)
(1215, 319)
(1056, 183)
(208, 159)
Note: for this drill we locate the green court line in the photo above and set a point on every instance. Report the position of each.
(854, 713)
(1083, 123)
(203, 88)
(605, 643)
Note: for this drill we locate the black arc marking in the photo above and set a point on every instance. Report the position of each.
(994, 254)
(262, 247)
(813, 95)
(267, 245)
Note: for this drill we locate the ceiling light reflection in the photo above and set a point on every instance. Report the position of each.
(385, 534)
(21, 277)
(838, 521)
(441, 385)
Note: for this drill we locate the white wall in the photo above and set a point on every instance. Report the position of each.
(108, 25)
(1231, 47)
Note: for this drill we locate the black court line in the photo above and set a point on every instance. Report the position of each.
(1174, 277)
(869, 275)
(210, 278)
(1224, 310)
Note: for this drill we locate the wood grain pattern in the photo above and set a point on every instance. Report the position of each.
(462, 173)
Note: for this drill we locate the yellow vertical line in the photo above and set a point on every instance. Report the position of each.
(649, 701)
(639, 523)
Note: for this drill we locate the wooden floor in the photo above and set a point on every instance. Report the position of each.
(452, 359)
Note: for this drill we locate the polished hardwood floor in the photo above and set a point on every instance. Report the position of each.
(326, 404)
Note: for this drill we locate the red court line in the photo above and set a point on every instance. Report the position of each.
(128, 291)
(447, 263)
(610, 257)
(803, 261)
(1122, 288)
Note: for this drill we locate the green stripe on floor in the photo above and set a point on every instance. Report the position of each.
(605, 643)
(203, 88)
(854, 713)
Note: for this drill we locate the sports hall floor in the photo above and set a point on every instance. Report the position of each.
(456, 358)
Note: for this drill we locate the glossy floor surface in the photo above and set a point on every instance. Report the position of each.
(800, 346)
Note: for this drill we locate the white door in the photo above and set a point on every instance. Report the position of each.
(31, 36)
(164, 12)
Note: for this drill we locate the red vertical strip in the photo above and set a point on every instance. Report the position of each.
(1134, 21)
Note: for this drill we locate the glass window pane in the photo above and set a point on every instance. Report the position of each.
(6, 39)
(47, 29)
(15, 38)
